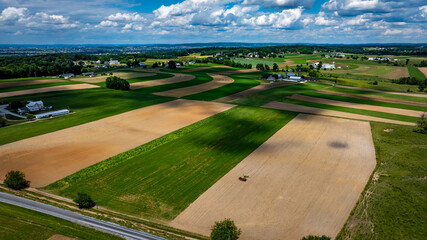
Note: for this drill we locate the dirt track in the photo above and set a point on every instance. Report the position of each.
(218, 81)
(320, 111)
(48, 89)
(357, 105)
(29, 82)
(373, 98)
(178, 77)
(423, 70)
(258, 88)
(124, 75)
(53, 156)
(379, 91)
(304, 180)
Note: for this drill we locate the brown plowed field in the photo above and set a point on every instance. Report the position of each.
(178, 77)
(124, 75)
(423, 70)
(357, 105)
(29, 82)
(218, 81)
(398, 72)
(48, 89)
(327, 112)
(53, 156)
(373, 98)
(379, 91)
(304, 180)
(258, 88)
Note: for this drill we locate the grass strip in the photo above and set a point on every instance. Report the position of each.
(34, 86)
(354, 110)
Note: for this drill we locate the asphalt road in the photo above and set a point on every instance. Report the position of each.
(77, 218)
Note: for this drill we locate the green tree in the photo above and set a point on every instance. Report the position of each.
(30, 116)
(267, 68)
(422, 124)
(311, 237)
(16, 180)
(2, 122)
(117, 83)
(83, 200)
(16, 104)
(172, 65)
(225, 230)
(407, 61)
(275, 67)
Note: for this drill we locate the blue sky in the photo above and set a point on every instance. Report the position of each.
(191, 21)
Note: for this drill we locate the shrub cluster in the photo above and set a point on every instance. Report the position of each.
(225, 230)
(117, 83)
(84, 201)
(16, 180)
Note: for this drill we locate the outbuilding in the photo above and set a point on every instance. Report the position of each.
(51, 114)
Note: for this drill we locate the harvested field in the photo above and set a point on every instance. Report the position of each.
(374, 98)
(124, 75)
(218, 81)
(423, 70)
(48, 89)
(398, 72)
(238, 71)
(379, 91)
(320, 111)
(203, 68)
(357, 105)
(178, 77)
(29, 82)
(258, 88)
(304, 180)
(67, 151)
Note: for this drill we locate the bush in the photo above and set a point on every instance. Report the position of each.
(84, 201)
(117, 83)
(225, 230)
(30, 116)
(311, 237)
(422, 124)
(16, 180)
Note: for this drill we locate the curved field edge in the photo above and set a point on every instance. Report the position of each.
(21, 223)
(88, 105)
(165, 176)
(393, 202)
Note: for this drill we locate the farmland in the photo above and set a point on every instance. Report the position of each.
(199, 159)
(173, 165)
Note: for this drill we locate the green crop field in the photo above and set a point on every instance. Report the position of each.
(416, 73)
(386, 95)
(384, 85)
(365, 101)
(161, 181)
(19, 223)
(34, 86)
(25, 79)
(353, 110)
(393, 204)
(255, 61)
(241, 82)
(88, 105)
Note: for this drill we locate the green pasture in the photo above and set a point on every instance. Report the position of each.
(88, 105)
(416, 73)
(353, 110)
(25, 79)
(393, 204)
(255, 61)
(241, 82)
(160, 179)
(20, 223)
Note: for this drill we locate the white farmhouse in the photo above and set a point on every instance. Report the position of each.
(67, 75)
(325, 65)
(114, 62)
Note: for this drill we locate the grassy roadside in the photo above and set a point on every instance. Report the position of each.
(365, 101)
(163, 181)
(88, 105)
(393, 204)
(20, 223)
(353, 110)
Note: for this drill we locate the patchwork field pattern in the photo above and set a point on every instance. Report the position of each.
(29, 82)
(67, 151)
(303, 180)
(178, 77)
(124, 75)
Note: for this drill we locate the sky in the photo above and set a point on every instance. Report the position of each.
(201, 21)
